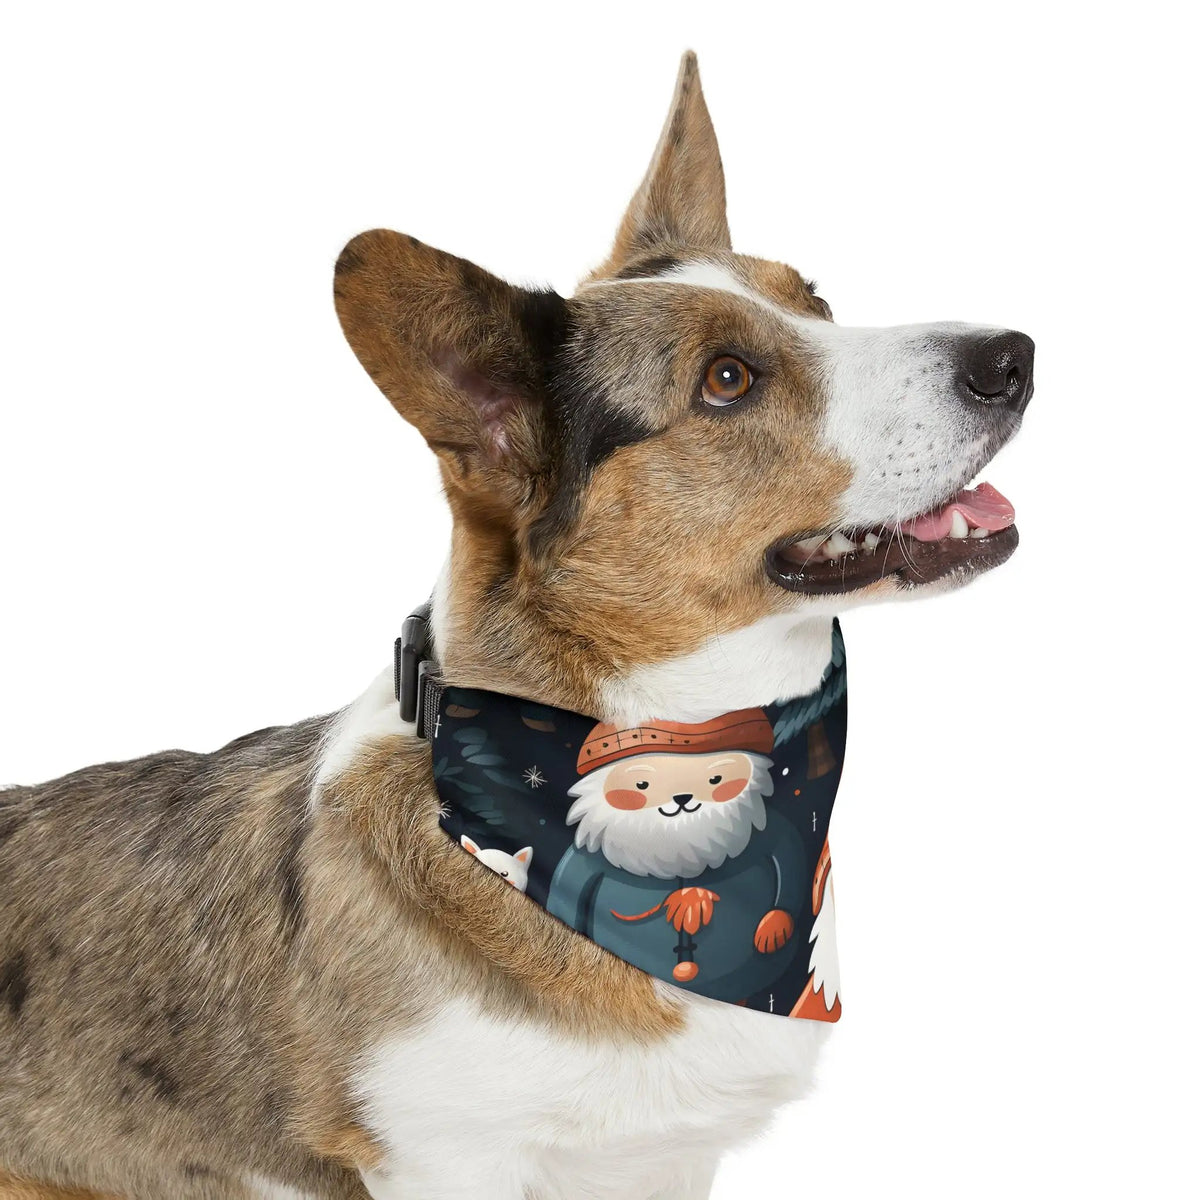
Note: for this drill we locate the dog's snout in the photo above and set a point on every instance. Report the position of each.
(682, 798)
(997, 369)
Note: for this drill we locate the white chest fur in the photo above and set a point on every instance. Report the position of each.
(472, 1105)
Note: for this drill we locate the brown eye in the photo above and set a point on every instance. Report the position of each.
(726, 381)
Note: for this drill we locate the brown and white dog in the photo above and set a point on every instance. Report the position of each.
(267, 971)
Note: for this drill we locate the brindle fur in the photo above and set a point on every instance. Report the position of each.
(192, 964)
(192, 952)
(12, 1188)
(153, 912)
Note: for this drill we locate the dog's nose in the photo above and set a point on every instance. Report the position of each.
(682, 798)
(997, 369)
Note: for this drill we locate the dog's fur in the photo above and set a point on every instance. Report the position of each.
(266, 971)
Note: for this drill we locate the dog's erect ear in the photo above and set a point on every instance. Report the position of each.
(460, 353)
(468, 845)
(681, 202)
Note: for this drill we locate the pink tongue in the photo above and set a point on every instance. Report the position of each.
(983, 507)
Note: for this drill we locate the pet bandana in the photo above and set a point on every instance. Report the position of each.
(697, 853)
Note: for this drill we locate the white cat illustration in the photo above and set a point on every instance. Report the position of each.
(513, 868)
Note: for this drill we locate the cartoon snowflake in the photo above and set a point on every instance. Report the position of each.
(534, 777)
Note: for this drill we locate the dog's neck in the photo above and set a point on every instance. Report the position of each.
(775, 658)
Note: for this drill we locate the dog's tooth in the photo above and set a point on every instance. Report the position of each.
(958, 526)
(870, 542)
(838, 544)
(979, 533)
(811, 545)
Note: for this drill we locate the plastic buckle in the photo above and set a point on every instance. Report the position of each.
(412, 654)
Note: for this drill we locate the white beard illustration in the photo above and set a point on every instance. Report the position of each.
(682, 845)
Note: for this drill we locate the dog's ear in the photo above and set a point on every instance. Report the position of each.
(460, 353)
(681, 201)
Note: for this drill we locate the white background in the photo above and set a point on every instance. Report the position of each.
(212, 522)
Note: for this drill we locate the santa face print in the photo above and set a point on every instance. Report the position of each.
(676, 784)
(672, 815)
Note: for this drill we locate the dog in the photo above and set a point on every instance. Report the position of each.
(267, 971)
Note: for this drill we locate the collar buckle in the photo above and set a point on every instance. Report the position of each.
(414, 667)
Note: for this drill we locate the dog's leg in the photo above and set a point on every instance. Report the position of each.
(621, 1171)
(695, 1182)
(463, 1176)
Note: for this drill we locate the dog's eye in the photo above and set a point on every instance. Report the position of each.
(726, 381)
(642, 784)
(715, 779)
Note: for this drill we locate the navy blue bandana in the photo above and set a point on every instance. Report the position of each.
(697, 853)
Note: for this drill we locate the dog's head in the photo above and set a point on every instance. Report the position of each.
(687, 446)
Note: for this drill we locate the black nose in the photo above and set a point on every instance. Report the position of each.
(997, 369)
(682, 798)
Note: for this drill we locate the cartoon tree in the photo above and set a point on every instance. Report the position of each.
(472, 746)
(806, 712)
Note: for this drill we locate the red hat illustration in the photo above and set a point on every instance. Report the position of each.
(747, 729)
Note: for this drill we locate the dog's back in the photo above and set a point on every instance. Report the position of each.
(147, 914)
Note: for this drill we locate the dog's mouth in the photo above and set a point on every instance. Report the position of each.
(971, 532)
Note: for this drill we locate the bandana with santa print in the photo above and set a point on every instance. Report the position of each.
(697, 853)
